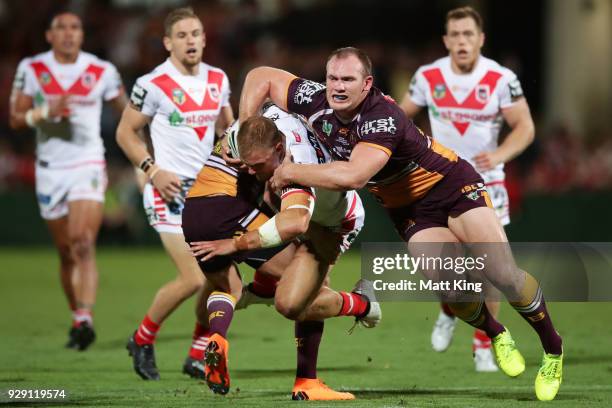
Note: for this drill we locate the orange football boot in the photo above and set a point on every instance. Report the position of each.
(215, 368)
(316, 390)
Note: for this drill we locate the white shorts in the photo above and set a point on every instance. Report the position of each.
(164, 216)
(57, 186)
(499, 198)
(353, 222)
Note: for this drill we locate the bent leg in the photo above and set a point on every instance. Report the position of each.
(299, 284)
(481, 225)
(475, 313)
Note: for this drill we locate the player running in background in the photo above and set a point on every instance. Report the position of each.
(335, 218)
(467, 96)
(60, 93)
(430, 193)
(183, 101)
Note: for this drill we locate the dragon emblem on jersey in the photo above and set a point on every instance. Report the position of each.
(214, 92)
(439, 91)
(178, 96)
(45, 78)
(88, 80)
(483, 91)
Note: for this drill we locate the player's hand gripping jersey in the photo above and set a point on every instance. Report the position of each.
(465, 112)
(184, 109)
(87, 83)
(416, 162)
(341, 211)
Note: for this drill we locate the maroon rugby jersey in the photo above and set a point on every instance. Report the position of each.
(416, 162)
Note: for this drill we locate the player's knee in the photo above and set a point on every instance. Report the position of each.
(193, 283)
(287, 308)
(82, 245)
(65, 254)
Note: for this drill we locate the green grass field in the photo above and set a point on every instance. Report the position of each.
(392, 365)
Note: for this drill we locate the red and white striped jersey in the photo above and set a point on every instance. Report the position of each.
(88, 82)
(184, 109)
(465, 109)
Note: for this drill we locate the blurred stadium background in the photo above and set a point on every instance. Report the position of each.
(561, 187)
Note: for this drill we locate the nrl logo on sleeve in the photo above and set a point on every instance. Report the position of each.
(306, 90)
(138, 96)
(412, 85)
(178, 96)
(515, 89)
(379, 126)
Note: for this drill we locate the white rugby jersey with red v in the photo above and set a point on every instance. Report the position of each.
(184, 109)
(87, 82)
(465, 109)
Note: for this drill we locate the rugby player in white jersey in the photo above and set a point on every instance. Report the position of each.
(183, 101)
(327, 222)
(60, 93)
(467, 96)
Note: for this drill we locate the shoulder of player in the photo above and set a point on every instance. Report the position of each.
(210, 68)
(306, 88)
(25, 62)
(44, 57)
(146, 79)
(492, 65)
(382, 115)
(437, 64)
(90, 58)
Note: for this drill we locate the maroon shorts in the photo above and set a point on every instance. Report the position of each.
(223, 217)
(461, 190)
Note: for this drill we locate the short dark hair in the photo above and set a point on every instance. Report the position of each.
(257, 131)
(464, 12)
(177, 15)
(61, 12)
(360, 54)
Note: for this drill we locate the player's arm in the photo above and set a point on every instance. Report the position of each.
(262, 83)
(414, 100)
(519, 119)
(364, 163)
(410, 108)
(23, 114)
(119, 102)
(128, 138)
(225, 119)
(292, 220)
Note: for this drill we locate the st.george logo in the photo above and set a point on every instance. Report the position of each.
(483, 91)
(88, 80)
(213, 91)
